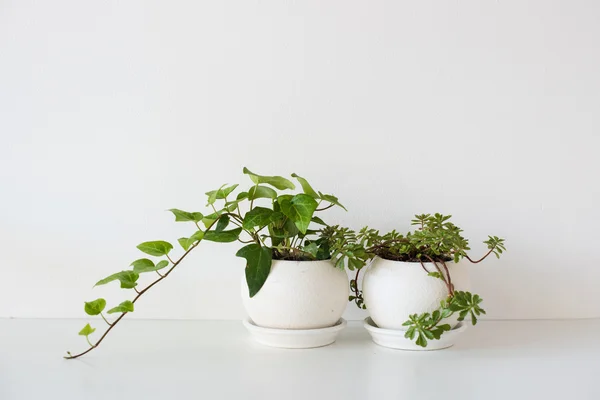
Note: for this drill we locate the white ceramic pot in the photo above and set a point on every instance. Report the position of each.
(299, 295)
(394, 289)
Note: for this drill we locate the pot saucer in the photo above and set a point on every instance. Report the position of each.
(394, 338)
(294, 338)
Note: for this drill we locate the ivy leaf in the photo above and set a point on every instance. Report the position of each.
(261, 192)
(299, 209)
(278, 182)
(186, 243)
(258, 216)
(94, 307)
(144, 265)
(126, 306)
(182, 216)
(220, 193)
(223, 236)
(332, 199)
(157, 248)
(222, 224)
(87, 330)
(127, 278)
(258, 266)
(306, 186)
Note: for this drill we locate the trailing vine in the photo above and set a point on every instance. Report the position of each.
(276, 227)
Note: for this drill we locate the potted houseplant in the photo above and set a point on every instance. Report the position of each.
(290, 282)
(418, 283)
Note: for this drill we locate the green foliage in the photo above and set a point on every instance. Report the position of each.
(436, 239)
(464, 303)
(299, 209)
(306, 187)
(223, 236)
(87, 330)
(258, 266)
(257, 217)
(186, 243)
(124, 307)
(145, 265)
(183, 216)
(278, 182)
(156, 248)
(428, 326)
(94, 307)
(128, 279)
(221, 193)
(261, 192)
(222, 223)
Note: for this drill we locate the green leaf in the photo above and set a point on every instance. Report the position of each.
(144, 265)
(126, 306)
(421, 341)
(332, 199)
(261, 192)
(258, 216)
(318, 220)
(220, 193)
(94, 307)
(258, 266)
(181, 216)
(186, 243)
(435, 274)
(127, 278)
(311, 249)
(223, 236)
(278, 182)
(306, 186)
(87, 330)
(222, 224)
(157, 248)
(208, 220)
(299, 209)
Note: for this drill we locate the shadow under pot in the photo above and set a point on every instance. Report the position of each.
(393, 290)
(299, 306)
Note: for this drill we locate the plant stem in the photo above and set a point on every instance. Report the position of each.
(482, 258)
(450, 285)
(175, 264)
(325, 208)
(105, 320)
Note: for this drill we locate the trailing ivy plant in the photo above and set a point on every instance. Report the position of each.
(437, 241)
(271, 226)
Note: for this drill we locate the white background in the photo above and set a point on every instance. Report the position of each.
(112, 112)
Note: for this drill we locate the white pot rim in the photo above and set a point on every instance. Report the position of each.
(300, 261)
(411, 262)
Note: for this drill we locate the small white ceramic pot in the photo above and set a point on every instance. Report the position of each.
(393, 290)
(299, 295)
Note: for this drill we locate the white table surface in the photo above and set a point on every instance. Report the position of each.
(218, 360)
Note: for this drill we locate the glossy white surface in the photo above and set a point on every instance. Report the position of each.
(299, 295)
(218, 360)
(295, 338)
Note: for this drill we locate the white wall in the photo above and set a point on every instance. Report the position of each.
(112, 112)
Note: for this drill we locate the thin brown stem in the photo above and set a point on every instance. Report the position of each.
(325, 208)
(140, 293)
(441, 273)
(482, 258)
(450, 285)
